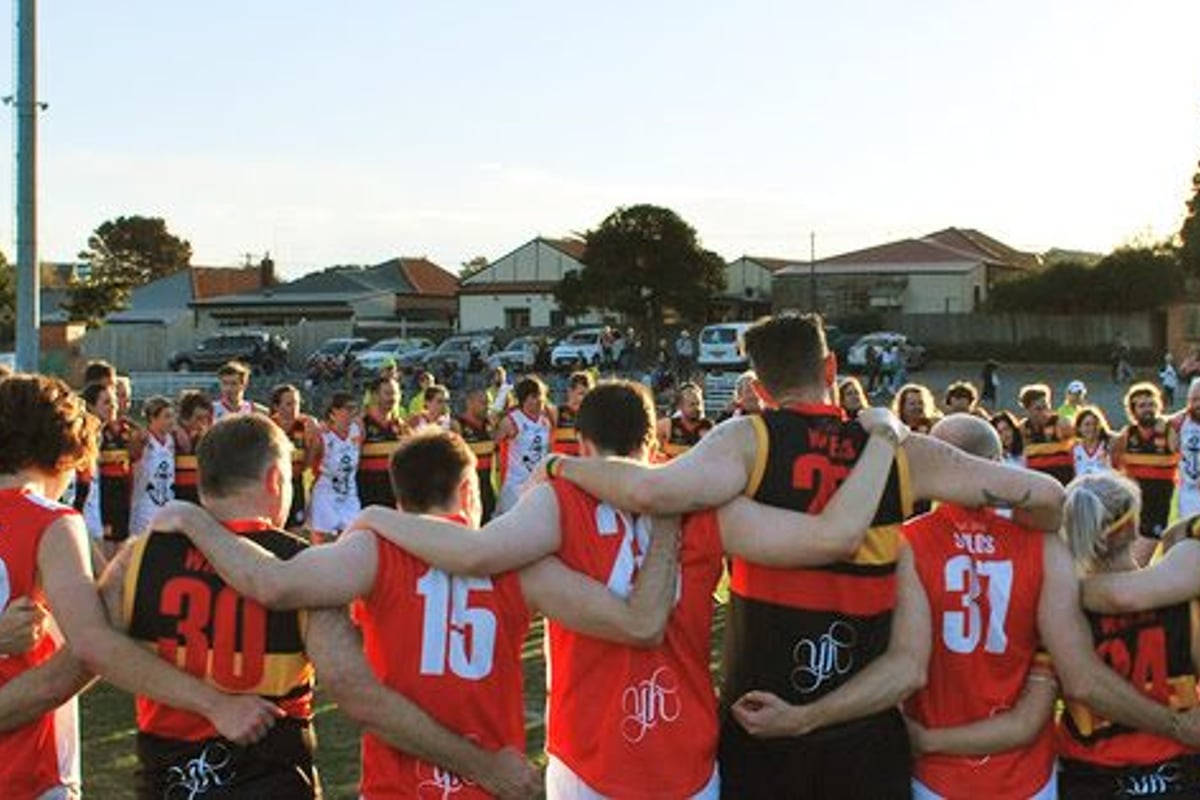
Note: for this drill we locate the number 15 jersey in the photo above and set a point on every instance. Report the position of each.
(982, 574)
(451, 644)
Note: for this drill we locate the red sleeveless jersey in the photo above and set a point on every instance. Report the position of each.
(29, 755)
(982, 574)
(452, 645)
(634, 723)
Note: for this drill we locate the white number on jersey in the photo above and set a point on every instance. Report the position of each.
(963, 630)
(454, 630)
(635, 543)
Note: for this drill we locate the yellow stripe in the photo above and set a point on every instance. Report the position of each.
(282, 672)
(114, 456)
(482, 448)
(185, 462)
(566, 435)
(904, 484)
(762, 448)
(379, 449)
(1152, 459)
(132, 571)
(882, 546)
(1049, 448)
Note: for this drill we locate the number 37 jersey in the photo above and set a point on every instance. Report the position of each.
(982, 574)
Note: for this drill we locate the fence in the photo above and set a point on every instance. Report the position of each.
(147, 347)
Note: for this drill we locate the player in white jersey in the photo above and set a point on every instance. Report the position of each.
(1092, 436)
(334, 460)
(435, 413)
(152, 452)
(524, 438)
(234, 378)
(1187, 475)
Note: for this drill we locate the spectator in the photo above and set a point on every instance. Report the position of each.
(1076, 399)
(1010, 437)
(1168, 378)
(851, 396)
(685, 355)
(874, 368)
(961, 398)
(989, 379)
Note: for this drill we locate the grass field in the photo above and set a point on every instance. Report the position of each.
(108, 731)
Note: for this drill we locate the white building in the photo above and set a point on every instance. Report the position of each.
(517, 291)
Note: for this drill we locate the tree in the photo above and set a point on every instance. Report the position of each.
(122, 254)
(1189, 234)
(1127, 279)
(473, 267)
(642, 261)
(8, 300)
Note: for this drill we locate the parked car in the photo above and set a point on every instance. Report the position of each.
(722, 346)
(519, 355)
(458, 353)
(914, 354)
(839, 341)
(373, 359)
(262, 351)
(582, 349)
(331, 359)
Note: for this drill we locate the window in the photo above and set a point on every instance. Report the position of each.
(557, 318)
(516, 318)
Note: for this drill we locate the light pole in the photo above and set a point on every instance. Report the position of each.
(27, 105)
(812, 271)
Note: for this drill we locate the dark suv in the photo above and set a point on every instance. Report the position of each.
(263, 351)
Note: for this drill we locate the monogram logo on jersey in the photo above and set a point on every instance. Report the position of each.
(828, 656)
(1160, 781)
(437, 783)
(198, 776)
(649, 702)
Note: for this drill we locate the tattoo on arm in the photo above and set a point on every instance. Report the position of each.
(990, 499)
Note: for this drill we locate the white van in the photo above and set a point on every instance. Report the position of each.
(723, 347)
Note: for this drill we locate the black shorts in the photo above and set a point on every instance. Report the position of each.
(114, 508)
(296, 514)
(280, 766)
(1174, 778)
(487, 495)
(375, 489)
(865, 760)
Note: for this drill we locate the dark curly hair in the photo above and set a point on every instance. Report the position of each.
(44, 426)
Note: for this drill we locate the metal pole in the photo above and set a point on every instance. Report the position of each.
(812, 271)
(28, 313)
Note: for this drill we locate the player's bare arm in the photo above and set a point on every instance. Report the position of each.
(1082, 675)
(527, 532)
(65, 572)
(1015, 728)
(335, 647)
(1174, 579)
(883, 684)
(710, 474)
(938, 471)
(329, 575)
(588, 607)
(777, 537)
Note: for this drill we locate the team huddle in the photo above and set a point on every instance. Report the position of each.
(1032, 634)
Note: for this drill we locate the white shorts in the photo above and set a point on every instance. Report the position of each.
(563, 784)
(1048, 792)
(331, 513)
(1187, 501)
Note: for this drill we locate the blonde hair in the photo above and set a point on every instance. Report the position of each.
(1097, 510)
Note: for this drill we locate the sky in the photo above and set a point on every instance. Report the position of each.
(333, 133)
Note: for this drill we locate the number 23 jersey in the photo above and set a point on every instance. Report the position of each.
(982, 574)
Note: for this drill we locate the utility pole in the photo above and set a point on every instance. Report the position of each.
(28, 280)
(812, 271)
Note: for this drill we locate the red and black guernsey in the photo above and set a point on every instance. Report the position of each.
(1150, 461)
(1046, 452)
(177, 606)
(1153, 651)
(566, 438)
(802, 633)
(116, 478)
(187, 470)
(685, 435)
(381, 438)
(296, 435)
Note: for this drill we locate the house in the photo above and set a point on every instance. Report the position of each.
(390, 297)
(747, 294)
(946, 272)
(517, 290)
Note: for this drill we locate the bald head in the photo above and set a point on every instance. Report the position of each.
(969, 433)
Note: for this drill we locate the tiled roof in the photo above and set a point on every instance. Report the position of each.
(960, 246)
(215, 281)
(428, 278)
(575, 248)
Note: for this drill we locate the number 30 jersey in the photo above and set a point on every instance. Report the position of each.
(177, 605)
(452, 645)
(982, 574)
